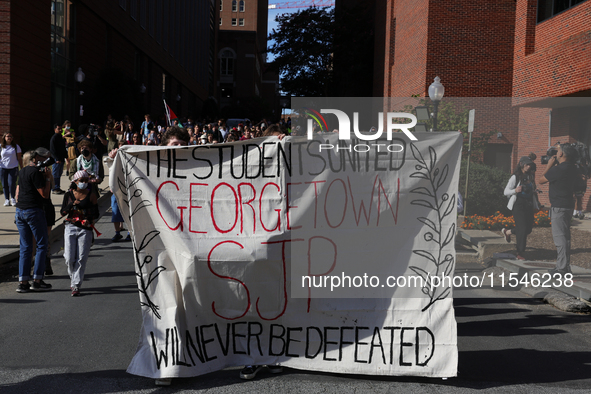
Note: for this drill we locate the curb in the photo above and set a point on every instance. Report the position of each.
(573, 298)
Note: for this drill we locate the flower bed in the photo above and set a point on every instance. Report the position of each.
(499, 221)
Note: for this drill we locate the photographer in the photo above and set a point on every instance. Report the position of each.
(561, 174)
(34, 185)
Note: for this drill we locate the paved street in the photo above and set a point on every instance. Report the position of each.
(53, 343)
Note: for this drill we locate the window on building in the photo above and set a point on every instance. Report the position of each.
(133, 9)
(63, 55)
(151, 5)
(549, 8)
(220, 21)
(241, 5)
(221, 5)
(241, 22)
(234, 6)
(233, 21)
(143, 14)
(227, 62)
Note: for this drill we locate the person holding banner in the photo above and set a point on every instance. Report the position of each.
(80, 206)
(522, 201)
(175, 136)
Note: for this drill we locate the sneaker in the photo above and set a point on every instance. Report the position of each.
(48, 269)
(13, 202)
(275, 368)
(23, 288)
(128, 238)
(58, 191)
(117, 238)
(507, 236)
(40, 286)
(75, 291)
(250, 371)
(163, 382)
(6, 203)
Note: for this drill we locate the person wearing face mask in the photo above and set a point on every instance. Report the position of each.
(80, 206)
(86, 161)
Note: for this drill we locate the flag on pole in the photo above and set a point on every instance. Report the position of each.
(170, 116)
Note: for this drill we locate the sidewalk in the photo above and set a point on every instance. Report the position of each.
(487, 243)
(9, 238)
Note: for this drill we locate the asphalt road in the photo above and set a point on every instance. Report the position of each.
(53, 343)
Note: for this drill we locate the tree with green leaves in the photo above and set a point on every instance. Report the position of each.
(452, 116)
(303, 48)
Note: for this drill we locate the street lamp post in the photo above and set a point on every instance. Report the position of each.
(436, 91)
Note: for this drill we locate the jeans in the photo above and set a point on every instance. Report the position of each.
(31, 223)
(77, 242)
(56, 171)
(9, 176)
(561, 233)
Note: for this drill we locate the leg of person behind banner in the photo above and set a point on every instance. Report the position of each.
(163, 382)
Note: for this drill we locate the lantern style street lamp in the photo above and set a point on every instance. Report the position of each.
(436, 91)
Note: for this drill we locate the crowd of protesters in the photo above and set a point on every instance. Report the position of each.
(79, 152)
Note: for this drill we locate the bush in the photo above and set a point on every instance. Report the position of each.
(485, 190)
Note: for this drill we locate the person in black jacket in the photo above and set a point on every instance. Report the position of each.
(57, 147)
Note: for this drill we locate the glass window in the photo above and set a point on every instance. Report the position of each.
(226, 62)
(151, 17)
(221, 5)
(220, 21)
(241, 5)
(233, 21)
(241, 22)
(234, 6)
(133, 9)
(63, 54)
(549, 8)
(143, 14)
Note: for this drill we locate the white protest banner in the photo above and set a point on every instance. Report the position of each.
(280, 252)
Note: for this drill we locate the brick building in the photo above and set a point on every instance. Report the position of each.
(515, 51)
(132, 53)
(244, 84)
(552, 58)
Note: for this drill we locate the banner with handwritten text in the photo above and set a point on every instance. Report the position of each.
(320, 254)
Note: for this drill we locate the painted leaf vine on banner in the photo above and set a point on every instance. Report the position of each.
(437, 233)
(147, 273)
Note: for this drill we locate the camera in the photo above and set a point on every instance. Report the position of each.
(552, 151)
(93, 129)
(42, 165)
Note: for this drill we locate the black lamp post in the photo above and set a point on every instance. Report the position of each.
(436, 91)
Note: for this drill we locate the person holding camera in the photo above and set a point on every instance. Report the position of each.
(561, 174)
(80, 206)
(522, 202)
(33, 187)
